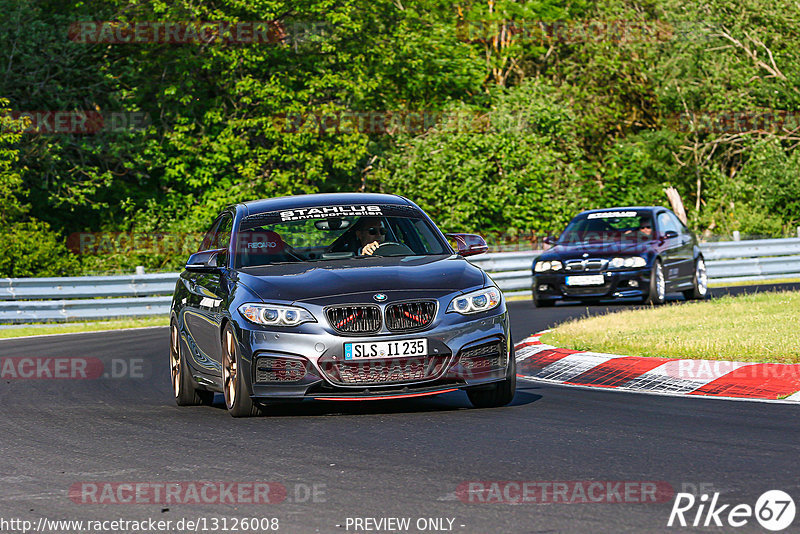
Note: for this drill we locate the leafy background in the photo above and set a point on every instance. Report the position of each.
(580, 115)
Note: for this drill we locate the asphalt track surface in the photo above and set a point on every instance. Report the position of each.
(380, 459)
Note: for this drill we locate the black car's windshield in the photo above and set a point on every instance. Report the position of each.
(608, 226)
(263, 240)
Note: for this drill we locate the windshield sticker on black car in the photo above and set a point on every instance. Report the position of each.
(300, 214)
(611, 214)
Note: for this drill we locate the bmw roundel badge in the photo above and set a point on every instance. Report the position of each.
(380, 297)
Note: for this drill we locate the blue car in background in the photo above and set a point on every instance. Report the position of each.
(628, 252)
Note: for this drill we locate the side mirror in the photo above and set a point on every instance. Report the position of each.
(669, 234)
(468, 244)
(549, 240)
(206, 260)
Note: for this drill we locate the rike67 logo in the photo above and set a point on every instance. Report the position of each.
(774, 510)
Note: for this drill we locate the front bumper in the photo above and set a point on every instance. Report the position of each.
(456, 348)
(633, 283)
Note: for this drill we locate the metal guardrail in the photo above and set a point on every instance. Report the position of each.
(726, 262)
(87, 287)
(26, 300)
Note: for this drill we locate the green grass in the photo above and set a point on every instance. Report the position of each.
(756, 282)
(760, 327)
(91, 326)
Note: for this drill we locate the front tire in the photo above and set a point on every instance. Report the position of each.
(658, 285)
(700, 282)
(237, 400)
(498, 394)
(183, 385)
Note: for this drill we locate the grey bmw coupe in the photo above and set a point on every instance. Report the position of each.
(336, 297)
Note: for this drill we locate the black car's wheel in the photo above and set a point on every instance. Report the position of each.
(498, 394)
(237, 400)
(183, 385)
(699, 282)
(658, 285)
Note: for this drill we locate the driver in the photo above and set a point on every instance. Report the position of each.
(370, 233)
(645, 230)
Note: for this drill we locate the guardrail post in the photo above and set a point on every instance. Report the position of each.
(736, 236)
(139, 270)
(798, 232)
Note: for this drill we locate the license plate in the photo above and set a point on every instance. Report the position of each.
(385, 349)
(586, 280)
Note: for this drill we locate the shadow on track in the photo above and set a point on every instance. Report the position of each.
(447, 402)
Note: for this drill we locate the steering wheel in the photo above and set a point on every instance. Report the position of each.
(392, 248)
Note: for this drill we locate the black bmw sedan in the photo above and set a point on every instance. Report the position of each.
(336, 297)
(636, 252)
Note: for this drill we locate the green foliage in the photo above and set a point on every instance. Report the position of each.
(581, 105)
(28, 246)
(516, 167)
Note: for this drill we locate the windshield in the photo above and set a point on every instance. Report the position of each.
(608, 226)
(261, 240)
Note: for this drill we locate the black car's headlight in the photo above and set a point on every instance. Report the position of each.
(475, 301)
(631, 262)
(544, 266)
(276, 315)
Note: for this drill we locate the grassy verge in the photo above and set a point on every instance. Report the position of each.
(756, 282)
(91, 326)
(760, 327)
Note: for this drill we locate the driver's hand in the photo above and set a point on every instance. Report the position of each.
(370, 248)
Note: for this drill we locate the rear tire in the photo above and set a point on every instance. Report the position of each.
(237, 400)
(658, 285)
(183, 385)
(699, 282)
(498, 394)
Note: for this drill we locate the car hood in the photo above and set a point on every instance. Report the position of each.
(600, 250)
(297, 282)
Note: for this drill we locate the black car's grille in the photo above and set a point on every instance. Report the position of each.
(364, 319)
(484, 357)
(283, 370)
(384, 371)
(408, 316)
(578, 266)
(573, 291)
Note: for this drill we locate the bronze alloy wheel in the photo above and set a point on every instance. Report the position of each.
(175, 361)
(229, 369)
(184, 386)
(237, 400)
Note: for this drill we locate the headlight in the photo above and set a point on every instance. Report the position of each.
(631, 262)
(544, 266)
(275, 315)
(476, 301)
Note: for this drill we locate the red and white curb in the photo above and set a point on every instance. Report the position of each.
(665, 376)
